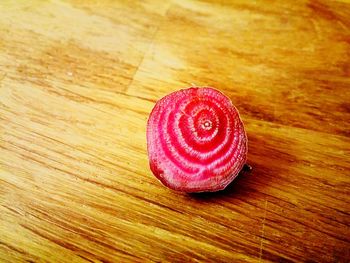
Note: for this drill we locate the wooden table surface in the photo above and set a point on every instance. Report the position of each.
(77, 82)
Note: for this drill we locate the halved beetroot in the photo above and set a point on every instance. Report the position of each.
(196, 140)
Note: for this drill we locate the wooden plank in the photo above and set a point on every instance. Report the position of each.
(77, 82)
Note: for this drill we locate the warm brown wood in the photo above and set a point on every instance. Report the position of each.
(77, 82)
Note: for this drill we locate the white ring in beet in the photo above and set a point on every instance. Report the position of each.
(196, 140)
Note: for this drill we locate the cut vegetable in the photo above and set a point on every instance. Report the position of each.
(196, 140)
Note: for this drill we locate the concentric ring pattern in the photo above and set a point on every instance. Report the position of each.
(196, 140)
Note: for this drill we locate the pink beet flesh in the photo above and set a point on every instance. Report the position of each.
(196, 140)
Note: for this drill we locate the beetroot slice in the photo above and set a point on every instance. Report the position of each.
(196, 140)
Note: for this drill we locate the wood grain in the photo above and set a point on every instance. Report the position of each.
(77, 82)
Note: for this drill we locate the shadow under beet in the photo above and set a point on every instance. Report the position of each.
(232, 188)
